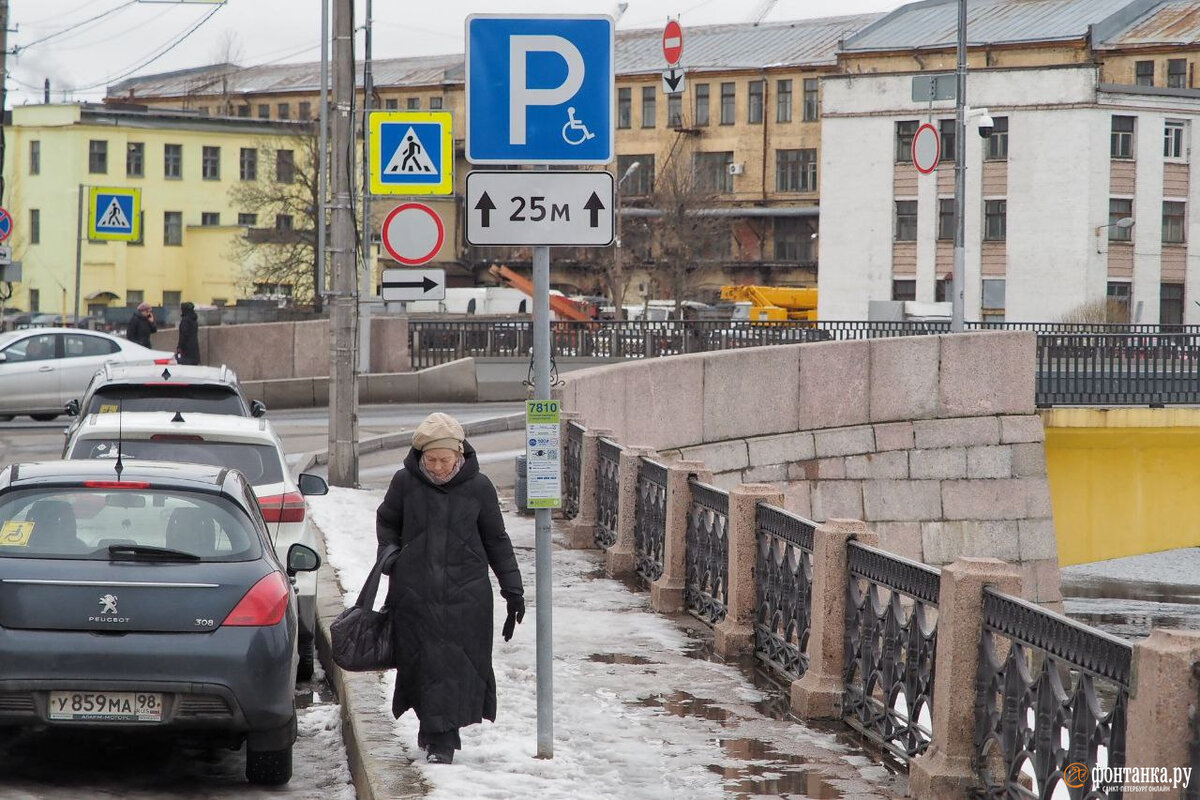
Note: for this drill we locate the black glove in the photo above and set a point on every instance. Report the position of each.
(516, 613)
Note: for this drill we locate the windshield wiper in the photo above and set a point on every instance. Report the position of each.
(140, 552)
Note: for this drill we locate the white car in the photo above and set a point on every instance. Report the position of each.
(42, 369)
(247, 444)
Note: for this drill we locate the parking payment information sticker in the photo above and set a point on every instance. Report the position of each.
(543, 456)
(15, 534)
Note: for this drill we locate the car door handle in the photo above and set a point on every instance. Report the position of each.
(46, 368)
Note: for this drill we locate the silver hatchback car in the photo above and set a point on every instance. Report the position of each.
(147, 598)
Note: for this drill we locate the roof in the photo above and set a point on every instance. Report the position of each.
(142, 424)
(176, 373)
(934, 23)
(810, 42)
(183, 475)
(1175, 22)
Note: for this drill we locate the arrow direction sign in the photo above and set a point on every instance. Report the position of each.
(402, 285)
(672, 81)
(573, 209)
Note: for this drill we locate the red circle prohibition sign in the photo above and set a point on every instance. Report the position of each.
(925, 158)
(408, 240)
(6, 224)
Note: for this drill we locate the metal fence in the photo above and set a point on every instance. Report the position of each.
(783, 590)
(706, 586)
(607, 492)
(572, 469)
(650, 526)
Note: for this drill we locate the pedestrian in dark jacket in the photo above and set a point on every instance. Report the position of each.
(444, 514)
(188, 349)
(141, 325)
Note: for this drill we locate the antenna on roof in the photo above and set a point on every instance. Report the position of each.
(119, 467)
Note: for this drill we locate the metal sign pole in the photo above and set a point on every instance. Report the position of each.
(78, 251)
(541, 516)
(958, 304)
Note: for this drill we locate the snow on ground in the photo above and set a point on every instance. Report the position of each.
(618, 729)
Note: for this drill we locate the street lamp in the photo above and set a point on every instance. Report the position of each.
(1124, 224)
(618, 308)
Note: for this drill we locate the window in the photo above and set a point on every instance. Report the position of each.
(134, 297)
(993, 299)
(1173, 139)
(210, 218)
(793, 240)
(35, 297)
(264, 111)
(247, 220)
(1173, 220)
(947, 132)
(391, 104)
(435, 103)
(947, 226)
(203, 111)
(135, 159)
(284, 111)
(811, 103)
(941, 290)
(1177, 73)
(701, 104)
(1170, 304)
(35, 157)
(905, 131)
(904, 289)
(995, 220)
(796, 170)
(172, 160)
(783, 101)
(305, 110)
(210, 163)
(1143, 73)
(285, 166)
(1118, 301)
(172, 298)
(1121, 145)
(35, 226)
(173, 228)
(675, 111)
(248, 164)
(648, 106)
(284, 222)
(906, 220)
(413, 104)
(641, 181)
(728, 102)
(754, 110)
(624, 107)
(243, 111)
(712, 171)
(997, 143)
(1119, 208)
(98, 156)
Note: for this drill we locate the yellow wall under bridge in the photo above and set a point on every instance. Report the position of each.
(1123, 481)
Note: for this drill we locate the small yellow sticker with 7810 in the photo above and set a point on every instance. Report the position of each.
(15, 534)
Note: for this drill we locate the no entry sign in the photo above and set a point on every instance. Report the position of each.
(926, 149)
(413, 233)
(672, 42)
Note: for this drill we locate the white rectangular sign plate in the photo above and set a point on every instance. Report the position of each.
(400, 285)
(573, 209)
(543, 456)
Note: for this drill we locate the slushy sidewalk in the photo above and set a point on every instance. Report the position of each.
(638, 713)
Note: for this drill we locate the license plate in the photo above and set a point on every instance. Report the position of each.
(107, 706)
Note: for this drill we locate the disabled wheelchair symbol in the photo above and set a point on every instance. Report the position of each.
(574, 131)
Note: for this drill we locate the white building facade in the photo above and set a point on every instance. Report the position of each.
(1069, 156)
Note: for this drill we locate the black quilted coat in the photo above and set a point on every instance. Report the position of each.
(440, 593)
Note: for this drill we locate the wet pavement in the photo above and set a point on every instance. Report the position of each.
(1127, 597)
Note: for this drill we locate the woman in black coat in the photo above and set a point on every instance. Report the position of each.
(446, 518)
(187, 351)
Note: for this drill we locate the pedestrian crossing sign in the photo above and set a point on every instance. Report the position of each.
(412, 152)
(114, 215)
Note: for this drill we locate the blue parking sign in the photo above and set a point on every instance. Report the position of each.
(540, 89)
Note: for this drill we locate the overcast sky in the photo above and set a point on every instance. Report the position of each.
(93, 43)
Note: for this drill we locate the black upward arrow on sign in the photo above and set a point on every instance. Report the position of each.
(672, 80)
(594, 205)
(485, 206)
(425, 284)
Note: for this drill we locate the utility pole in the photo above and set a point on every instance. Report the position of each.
(323, 159)
(3, 86)
(365, 286)
(958, 304)
(343, 376)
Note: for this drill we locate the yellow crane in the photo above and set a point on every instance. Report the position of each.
(769, 303)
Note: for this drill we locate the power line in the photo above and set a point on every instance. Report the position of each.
(69, 28)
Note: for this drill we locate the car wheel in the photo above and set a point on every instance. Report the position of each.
(269, 767)
(304, 671)
(43, 417)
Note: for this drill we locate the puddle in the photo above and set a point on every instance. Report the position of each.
(784, 774)
(619, 658)
(682, 704)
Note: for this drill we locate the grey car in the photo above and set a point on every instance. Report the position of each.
(148, 597)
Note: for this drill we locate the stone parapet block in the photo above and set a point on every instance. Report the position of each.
(1161, 697)
(1007, 498)
(901, 501)
(893, 436)
(904, 378)
(781, 449)
(990, 372)
(734, 635)
(1037, 539)
(730, 410)
(720, 456)
(620, 561)
(891, 465)
(946, 771)
(667, 409)
(933, 433)
(837, 500)
(844, 441)
(943, 463)
(818, 694)
(772, 473)
(666, 593)
(835, 385)
(1022, 429)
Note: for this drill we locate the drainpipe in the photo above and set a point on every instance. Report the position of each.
(766, 105)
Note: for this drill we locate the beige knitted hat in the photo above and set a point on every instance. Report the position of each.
(439, 431)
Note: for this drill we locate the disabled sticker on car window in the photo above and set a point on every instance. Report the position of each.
(109, 408)
(15, 534)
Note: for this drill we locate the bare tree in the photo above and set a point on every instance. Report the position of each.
(280, 247)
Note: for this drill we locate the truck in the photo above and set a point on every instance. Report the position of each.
(772, 303)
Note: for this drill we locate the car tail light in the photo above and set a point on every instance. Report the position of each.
(116, 484)
(176, 437)
(287, 507)
(264, 604)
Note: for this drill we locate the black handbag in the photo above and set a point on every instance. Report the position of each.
(361, 638)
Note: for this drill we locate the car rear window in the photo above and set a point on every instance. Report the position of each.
(260, 463)
(81, 523)
(205, 398)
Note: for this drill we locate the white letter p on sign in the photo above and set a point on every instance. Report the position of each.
(521, 96)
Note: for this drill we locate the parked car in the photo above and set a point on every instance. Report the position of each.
(150, 387)
(41, 369)
(148, 597)
(244, 443)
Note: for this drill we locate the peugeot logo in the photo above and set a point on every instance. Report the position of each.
(108, 604)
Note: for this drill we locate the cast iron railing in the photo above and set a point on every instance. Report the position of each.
(650, 526)
(607, 492)
(1118, 368)
(891, 639)
(572, 469)
(783, 590)
(1052, 693)
(706, 591)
